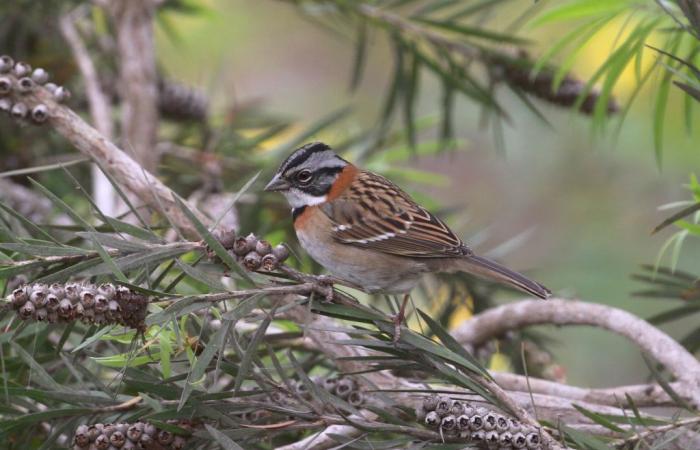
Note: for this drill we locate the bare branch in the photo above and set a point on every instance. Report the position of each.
(121, 166)
(642, 394)
(138, 83)
(659, 345)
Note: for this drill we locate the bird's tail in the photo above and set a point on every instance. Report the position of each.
(486, 268)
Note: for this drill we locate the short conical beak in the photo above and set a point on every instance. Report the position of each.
(277, 184)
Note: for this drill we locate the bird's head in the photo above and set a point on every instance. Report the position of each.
(307, 175)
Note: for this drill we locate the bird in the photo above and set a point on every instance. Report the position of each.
(367, 231)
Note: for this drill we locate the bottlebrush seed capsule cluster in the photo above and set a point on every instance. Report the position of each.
(253, 253)
(17, 80)
(480, 426)
(130, 436)
(180, 102)
(342, 387)
(100, 305)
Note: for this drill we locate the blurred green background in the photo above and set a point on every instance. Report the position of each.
(583, 202)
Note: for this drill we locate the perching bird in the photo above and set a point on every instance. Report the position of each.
(364, 229)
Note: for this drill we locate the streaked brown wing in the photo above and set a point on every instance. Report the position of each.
(376, 214)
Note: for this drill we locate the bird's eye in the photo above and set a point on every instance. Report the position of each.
(304, 176)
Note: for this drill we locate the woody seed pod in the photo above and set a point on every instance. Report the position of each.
(135, 431)
(269, 262)
(513, 426)
(57, 290)
(26, 311)
(51, 87)
(252, 261)
(226, 238)
(101, 304)
(448, 423)
(117, 439)
(344, 387)
(72, 291)
(102, 442)
(65, 308)
(457, 408)
(19, 297)
(476, 423)
(241, 246)
(165, 437)
(281, 252)
(40, 113)
(19, 111)
(263, 247)
(40, 315)
(82, 438)
(489, 421)
(463, 422)
(25, 85)
(61, 94)
(491, 438)
(5, 105)
(501, 423)
(178, 443)
(443, 406)
(22, 69)
(505, 439)
(430, 402)
(519, 440)
(5, 85)
(38, 297)
(432, 419)
(356, 398)
(40, 76)
(478, 436)
(329, 383)
(533, 440)
(6, 63)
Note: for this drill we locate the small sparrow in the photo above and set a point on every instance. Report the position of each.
(365, 230)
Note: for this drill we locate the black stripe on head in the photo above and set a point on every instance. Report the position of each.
(323, 181)
(302, 154)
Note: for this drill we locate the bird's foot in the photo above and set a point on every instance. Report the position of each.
(398, 320)
(324, 286)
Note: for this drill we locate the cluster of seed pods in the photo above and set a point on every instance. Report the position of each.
(345, 388)
(99, 305)
(479, 426)
(253, 253)
(17, 79)
(130, 436)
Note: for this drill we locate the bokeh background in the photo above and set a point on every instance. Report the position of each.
(570, 205)
(579, 203)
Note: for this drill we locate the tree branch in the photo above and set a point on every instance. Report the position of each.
(138, 82)
(659, 345)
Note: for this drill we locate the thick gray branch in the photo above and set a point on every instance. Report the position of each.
(495, 322)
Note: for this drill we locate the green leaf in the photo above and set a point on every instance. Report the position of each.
(212, 242)
(38, 372)
(215, 344)
(45, 250)
(598, 418)
(224, 441)
(451, 343)
(46, 168)
(249, 355)
(475, 32)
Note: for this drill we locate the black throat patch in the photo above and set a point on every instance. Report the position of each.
(296, 212)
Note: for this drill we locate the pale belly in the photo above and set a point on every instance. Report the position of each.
(375, 272)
